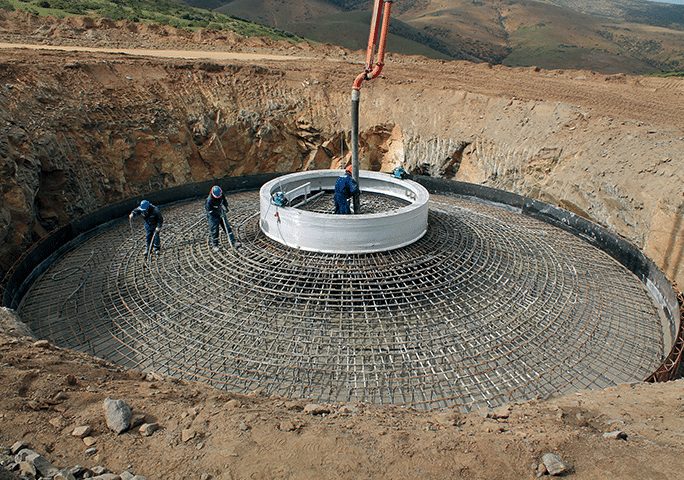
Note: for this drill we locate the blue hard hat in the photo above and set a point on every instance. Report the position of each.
(144, 205)
(216, 191)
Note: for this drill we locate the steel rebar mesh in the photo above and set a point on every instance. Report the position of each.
(370, 203)
(490, 306)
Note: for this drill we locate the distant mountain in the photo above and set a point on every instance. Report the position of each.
(639, 11)
(611, 36)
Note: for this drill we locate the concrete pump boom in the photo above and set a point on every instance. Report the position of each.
(379, 24)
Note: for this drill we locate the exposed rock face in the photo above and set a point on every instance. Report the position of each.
(75, 138)
(10, 324)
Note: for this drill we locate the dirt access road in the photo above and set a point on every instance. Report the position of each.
(658, 102)
(146, 52)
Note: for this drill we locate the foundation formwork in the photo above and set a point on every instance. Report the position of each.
(490, 306)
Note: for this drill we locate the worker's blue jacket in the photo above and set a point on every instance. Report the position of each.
(213, 205)
(152, 216)
(345, 188)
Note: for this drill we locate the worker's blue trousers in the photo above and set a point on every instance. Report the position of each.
(214, 223)
(148, 237)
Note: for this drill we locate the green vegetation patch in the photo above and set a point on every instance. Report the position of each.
(165, 12)
(669, 74)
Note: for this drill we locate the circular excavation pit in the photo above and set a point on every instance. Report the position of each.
(489, 306)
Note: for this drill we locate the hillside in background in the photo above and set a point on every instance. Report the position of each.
(609, 36)
(166, 12)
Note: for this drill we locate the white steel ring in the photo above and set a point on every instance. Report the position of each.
(345, 234)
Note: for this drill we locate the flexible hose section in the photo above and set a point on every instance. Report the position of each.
(370, 72)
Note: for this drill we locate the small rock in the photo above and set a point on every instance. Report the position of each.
(205, 476)
(91, 451)
(27, 469)
(153, 377)
(57, 422)
(18, 446)
(187, 434)
(316, 409)
(200, 446)
(100, 470)
(89, 441)
(499, 414)
(615, 435)
(554, 464)
(82, 431)
(348, 410)
(541, 470)
(288, 426)
(79, 471)
(137, 420)
(147, 429)
(64, 475)
(40, 463)
(233, 403)
(71, 380)
(118, 415)
(107, 476)
(127, 475)
(244, 427)
(41, 344)
(138, 477)
(294, 406)
(6, 459)
(60, 397)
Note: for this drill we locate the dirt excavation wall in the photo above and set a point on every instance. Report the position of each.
(77, 132)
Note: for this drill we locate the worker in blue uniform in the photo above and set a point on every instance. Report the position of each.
(153, 223)
(216, 207)
(345, 188)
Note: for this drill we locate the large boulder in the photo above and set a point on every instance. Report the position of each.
(118, 415)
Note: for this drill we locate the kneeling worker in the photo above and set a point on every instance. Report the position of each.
(153, 223)
(345, 188)
(216, 206)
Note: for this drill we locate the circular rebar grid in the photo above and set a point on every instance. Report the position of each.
(490, 306)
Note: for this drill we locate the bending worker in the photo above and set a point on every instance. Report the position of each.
(153, 223)
(345, 188)
(216, 206)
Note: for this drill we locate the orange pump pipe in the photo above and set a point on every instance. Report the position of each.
(372, 71)
(378, 23)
